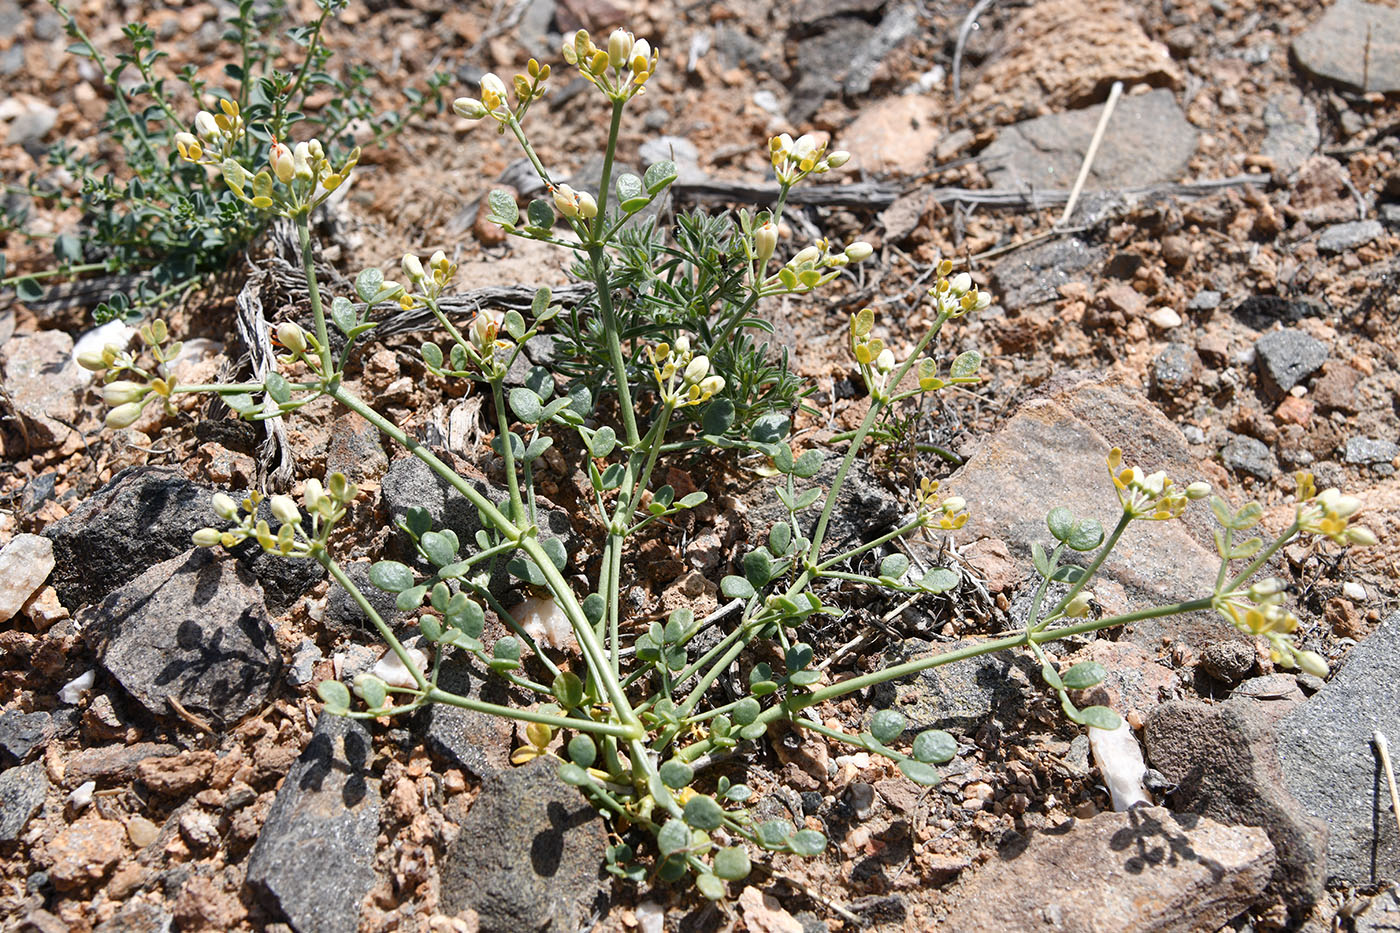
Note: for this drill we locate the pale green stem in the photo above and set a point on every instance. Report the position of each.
(1094, 565)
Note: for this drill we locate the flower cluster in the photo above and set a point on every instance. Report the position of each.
(620, 71)
(1154, 497)
(297, 178)
(431, 281)
(683, 377)
(529, 87)
(813, 266)
(215, 136)
(128, 398)
(1259, 610)
(1329, 514)
(795, 159)
(947, 514)
(955, 295)
(326, 506)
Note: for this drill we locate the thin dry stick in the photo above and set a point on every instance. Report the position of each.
(1108, 106)
(1383, 749)
(964, 31)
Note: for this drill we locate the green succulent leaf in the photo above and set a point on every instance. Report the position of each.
(583, 751)
(1084, 675)
(676, 774)
(335, 696)
(732, 863)
(887, 725)
(1060, 521)
(504, 210)
(1087, 535)
(966, 364)
(703, 812)
(920, 772)
(567, 689)
(737, 588)
(808, 842)
(709, 886)
(391, 576)
(1100, 717)
(573, 774)
(673, 837)
(934, 746)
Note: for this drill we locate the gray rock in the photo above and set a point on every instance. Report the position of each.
(353, 448)
(960, 696)
(1368, 450)
(1052, 453)
(138, 916)
(1223, 762)
(1355, 45)
(1145, 870)
(343, 612)
(1390, 215)
(146, 515)
(824, 61)
(1287, 357)
(864, 509)
(111, 762)
(1245, 454)
(12, 60)
(22, 792)
(32, 125)
(479, 742)
(193, 629)
(1174, 369)
(1293, 135)
(20, 733)
(1330, 765)
(529, 856)
(1339, 238)
(1033, 276)
(1228, 661)
(43, 385)
(410, 482)
(314, 859)
(10, 18)
(1205, 300)
(1148, 141)
(303, 666)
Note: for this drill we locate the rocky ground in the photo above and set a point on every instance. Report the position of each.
(1220, 304)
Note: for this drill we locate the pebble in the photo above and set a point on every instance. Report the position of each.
(1354, 591)
(141, 831)
(1205, 300)
(1342, 237)
(1286, 357)
(1245, 454)
(83, 853)
(1354, 44)
(1165, 318)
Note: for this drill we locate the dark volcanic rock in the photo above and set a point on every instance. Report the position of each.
(1262, 311)
(864, 509)
(22, 793)
(1223, 760)
(529, 856)
(479, 742)
(1245, 454)
(194, 629)
(959, 696)
(20, 733)
(314, 859)
(1287, 357)
(1330, 764)
(146, 515)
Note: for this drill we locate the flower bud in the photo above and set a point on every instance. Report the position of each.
(205, 126)
(469, 108)
(859, 251)
(1364, 537)
(124, 416)
(566, 201)
(312, 492)
(954, 504)
(806, 256)
(587, 205)
(960, 283)
(885, 361)
(92, 360)
(697, 369)
(1312, 663)
(838, 158)
(291, 336)
(493, 91)
(438, 260)
(224, 506)
(640, 59)
(682, 344)
(1198, 490)
(765, 240)
(301, 161)
(123, 391)
(412, 267)
(207, 537)
(1078, 607)
(282, 163)
(285, 510)
(317, 151)
(711, 386)
(619, 47)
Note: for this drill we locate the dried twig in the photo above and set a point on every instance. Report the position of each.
(1113, 95)
(964, 32)
(1383, 750)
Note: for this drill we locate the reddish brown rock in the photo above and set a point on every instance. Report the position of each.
(82, 854)
(177, 775)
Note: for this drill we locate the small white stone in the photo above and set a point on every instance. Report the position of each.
(82, 796)
(651, 917)
(25, 564)
(1165, 318)
(116, 333)
(1119, 757)
(1354, 591)
(546, 623)
(392, 671)
(73, 691)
